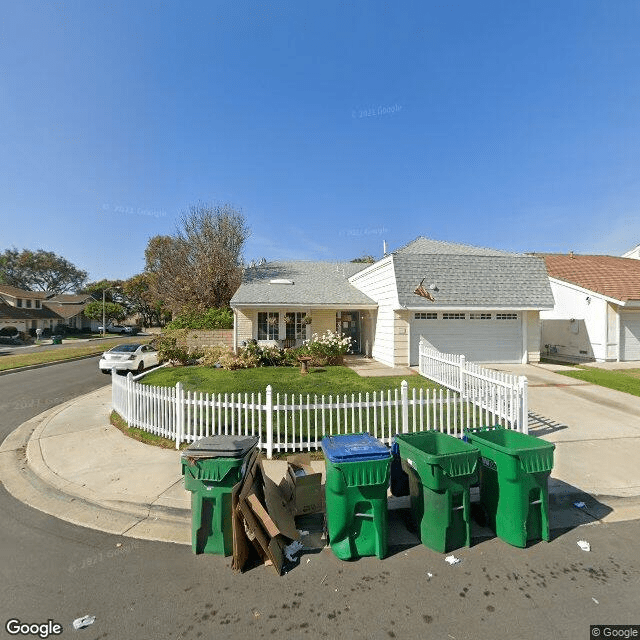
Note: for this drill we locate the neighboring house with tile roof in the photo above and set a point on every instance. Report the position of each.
(482, 303)
(25, 310)
(70, 307)
(597, 310)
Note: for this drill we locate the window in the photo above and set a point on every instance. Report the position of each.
(296, 328)
(268, 325)
(426, 315)
(453, 316)
(19, 302)
(28, 304)
(479, 316)
(38, 305)
(506, 316)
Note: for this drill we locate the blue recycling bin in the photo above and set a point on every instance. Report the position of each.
(357, 479)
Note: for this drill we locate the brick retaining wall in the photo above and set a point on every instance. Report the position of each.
(210, 338)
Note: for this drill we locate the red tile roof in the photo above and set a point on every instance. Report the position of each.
(617, 278)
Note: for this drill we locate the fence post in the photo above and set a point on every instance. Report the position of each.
(179, 413)
(461, 379)
(404, 395)
(420, 356)
(129, 399)
(269, 421)
(524, 404)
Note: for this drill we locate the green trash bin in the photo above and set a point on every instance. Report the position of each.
(211, 468)
(441, 469)
(514, 483)
(56, 339)
(357, 479)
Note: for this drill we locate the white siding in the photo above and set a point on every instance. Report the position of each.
(379, 283)
(577, 326)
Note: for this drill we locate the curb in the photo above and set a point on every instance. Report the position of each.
(26, 476)
(29, 367)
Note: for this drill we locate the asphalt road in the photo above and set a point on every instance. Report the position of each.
(52, 570)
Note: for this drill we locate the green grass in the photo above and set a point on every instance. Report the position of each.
(143, 436)
(626, 380)
(325, 381)
(59, 354)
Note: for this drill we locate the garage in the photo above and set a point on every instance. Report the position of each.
(480, 337)
(630, 335)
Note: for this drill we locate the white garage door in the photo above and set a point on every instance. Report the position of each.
(480, 337)
(629, 336)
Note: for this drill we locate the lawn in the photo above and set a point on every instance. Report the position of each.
(59, 354)
(324, 381)
(626, 380)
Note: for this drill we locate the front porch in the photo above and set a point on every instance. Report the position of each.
(287, 327)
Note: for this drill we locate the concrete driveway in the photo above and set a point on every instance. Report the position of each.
(598, 427)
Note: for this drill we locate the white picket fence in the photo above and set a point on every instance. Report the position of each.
(286, 422)
(502, 395)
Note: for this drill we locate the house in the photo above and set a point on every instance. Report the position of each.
(633, 253)
(284, 303)
(24, 310)
(70, 307)
(482, 303)
(597, 310)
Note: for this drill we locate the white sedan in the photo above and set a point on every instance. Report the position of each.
(128, 357)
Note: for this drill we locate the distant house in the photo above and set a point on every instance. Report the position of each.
(25, 310)
(482, 303)
(70, 307)
(597, 310)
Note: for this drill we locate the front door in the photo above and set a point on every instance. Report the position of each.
(348, 324)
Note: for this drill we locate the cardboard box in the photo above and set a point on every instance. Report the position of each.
(304, 486)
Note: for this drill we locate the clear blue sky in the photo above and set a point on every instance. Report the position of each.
(332, 125)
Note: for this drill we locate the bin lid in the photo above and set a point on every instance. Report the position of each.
(354, 448)
(223, 446)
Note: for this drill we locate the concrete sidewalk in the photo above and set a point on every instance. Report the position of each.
(71, 463)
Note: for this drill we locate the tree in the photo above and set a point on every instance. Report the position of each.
(112, 311)
(201, 265)
(40, 271)
(365, 258)
(139, 296)
(111, 294)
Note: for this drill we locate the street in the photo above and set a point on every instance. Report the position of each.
(52, 570)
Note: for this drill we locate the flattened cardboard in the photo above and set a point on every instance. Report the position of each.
(253, 522)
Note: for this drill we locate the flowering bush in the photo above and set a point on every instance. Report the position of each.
(328, 348)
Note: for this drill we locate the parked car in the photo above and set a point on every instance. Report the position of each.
(113, 328)
(133, 331)
(128, 357)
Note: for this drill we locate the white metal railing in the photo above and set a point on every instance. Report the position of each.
(293, 422)
(503, 395)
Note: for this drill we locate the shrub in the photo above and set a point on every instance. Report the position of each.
(172, 347)
(198, 318)
(246, 359)
(212, 355)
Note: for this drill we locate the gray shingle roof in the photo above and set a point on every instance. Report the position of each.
(422, 245)
(494, 280)
(314, 283)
